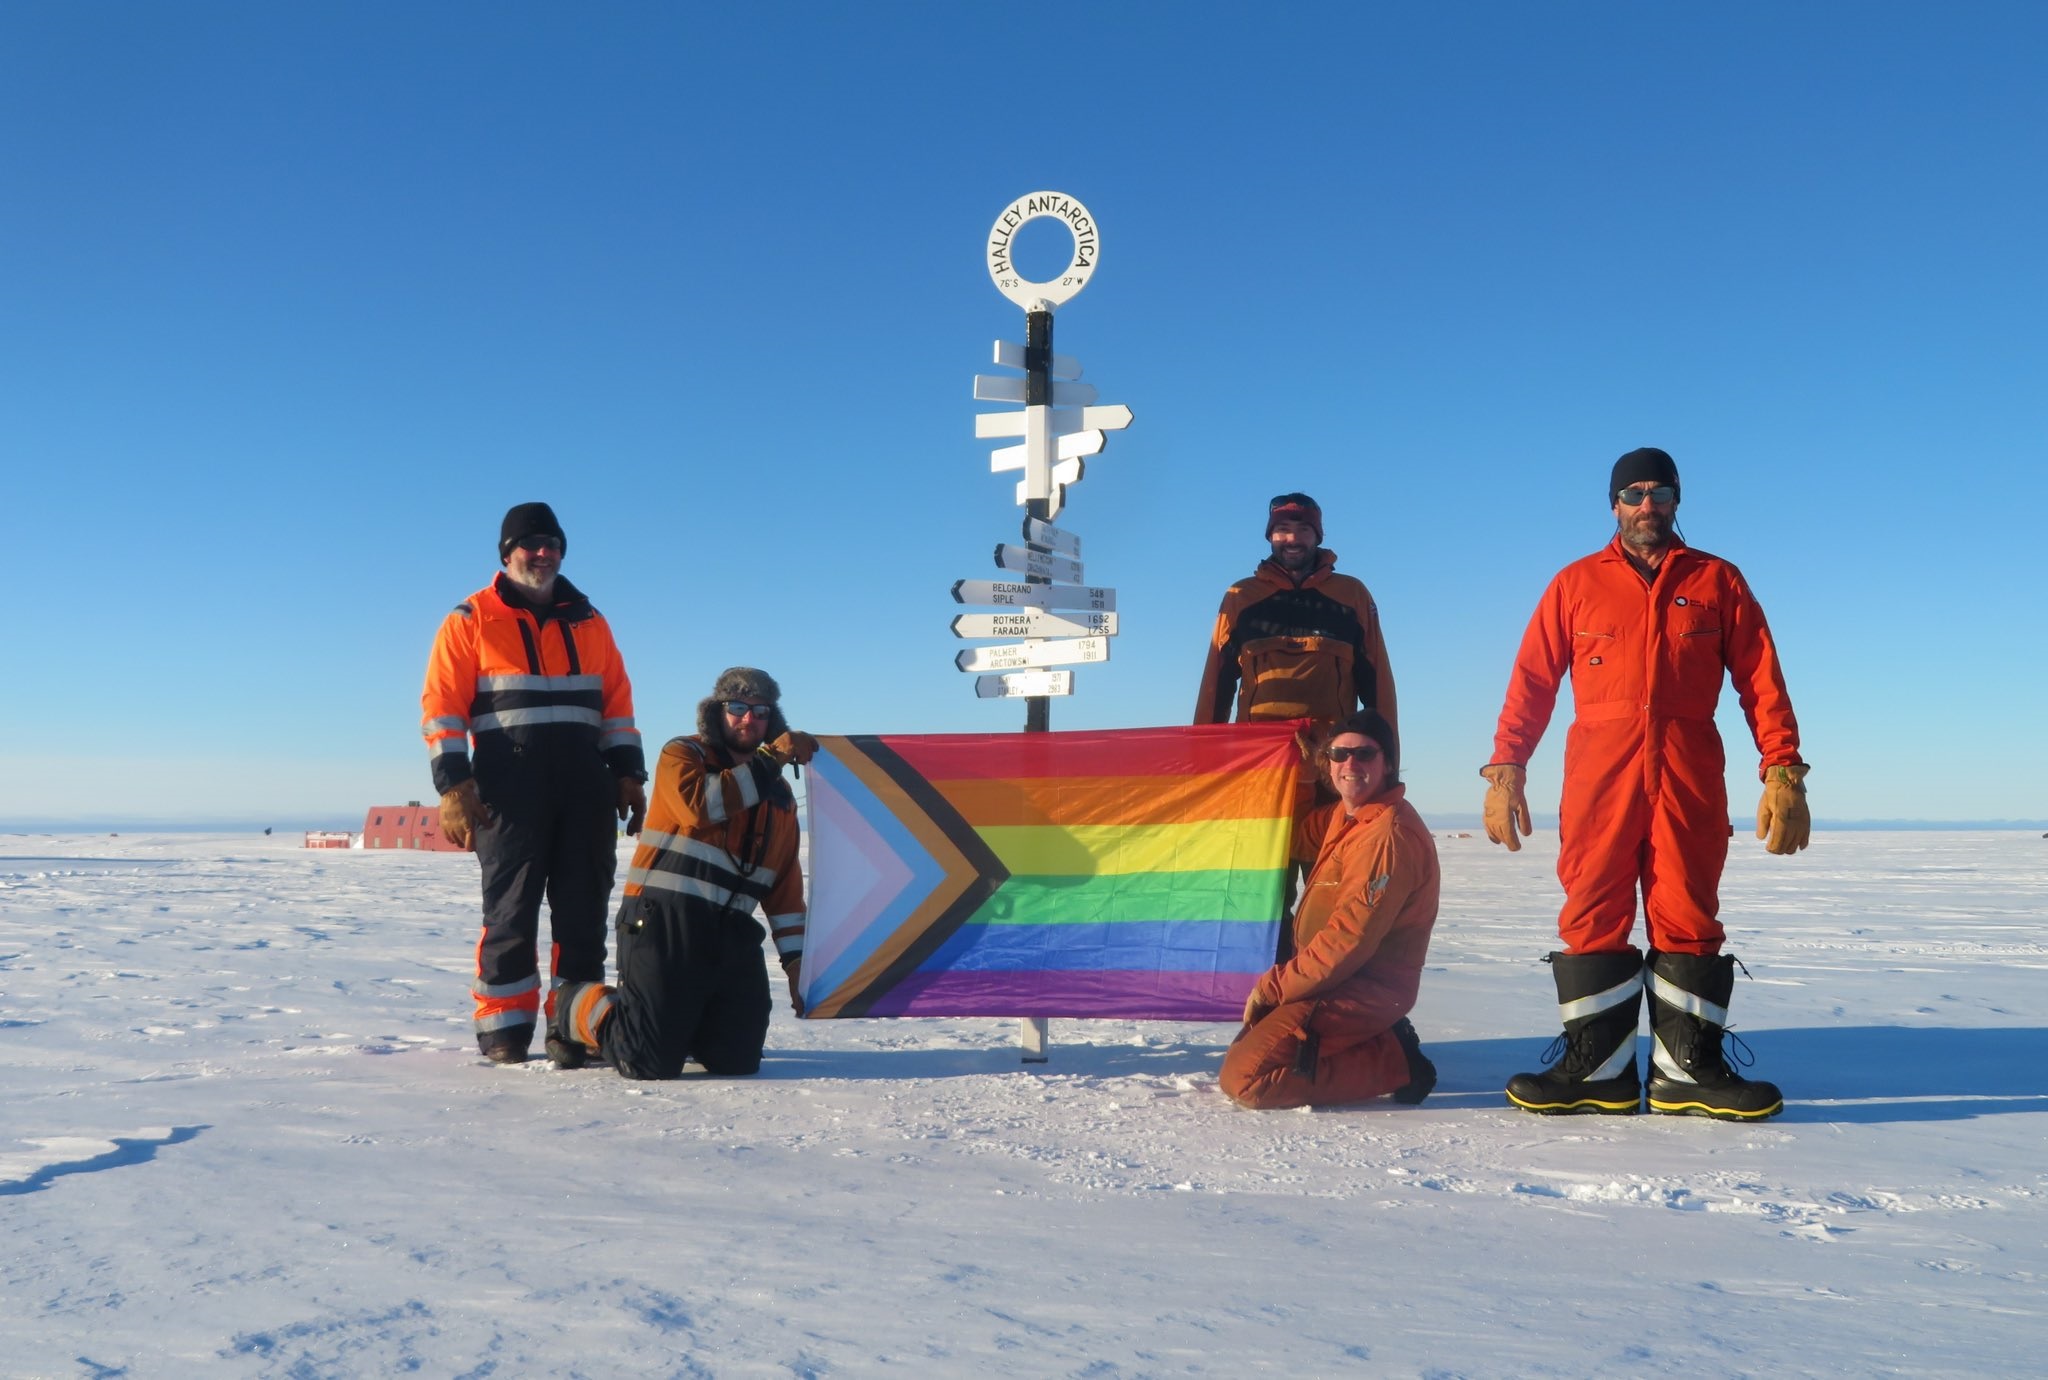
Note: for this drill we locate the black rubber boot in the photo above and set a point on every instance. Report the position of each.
(1421, 1072)
(1689, 1075)
(507, 1046)
(1593, 1063)
(574, 1031)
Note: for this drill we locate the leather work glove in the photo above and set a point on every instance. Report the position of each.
(1506, 809)
(632, 803)
(1255, 1008)
(793, 969)
(1782, 820)
(462, 814)
(791, 747)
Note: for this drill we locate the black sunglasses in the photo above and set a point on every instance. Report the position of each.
(1345, 754)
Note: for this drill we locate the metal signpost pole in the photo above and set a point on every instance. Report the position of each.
(1059, 428)
(1037, 393)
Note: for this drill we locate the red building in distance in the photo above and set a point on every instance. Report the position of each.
(411, 825)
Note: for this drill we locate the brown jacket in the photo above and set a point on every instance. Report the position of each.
(721, 835)
(1284, 650)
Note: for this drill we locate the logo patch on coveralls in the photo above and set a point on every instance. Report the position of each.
(1680, 601)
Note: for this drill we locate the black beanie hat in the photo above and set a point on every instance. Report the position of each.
(1647, 465)
(1294, 508)
(1370, 723)
(523, 520)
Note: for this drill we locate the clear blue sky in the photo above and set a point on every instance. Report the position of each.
(295, 300)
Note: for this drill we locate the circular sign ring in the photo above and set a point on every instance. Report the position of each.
(1070, 280)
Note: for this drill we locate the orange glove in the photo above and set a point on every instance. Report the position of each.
(1507, 809)
(791, 747)
(632, 804)
(793, 969)
(462, 814)
(1782, 819)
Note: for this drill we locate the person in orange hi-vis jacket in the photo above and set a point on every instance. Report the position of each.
(1330, 1023)
(527, 671)
(720, 845)
(1647, 628)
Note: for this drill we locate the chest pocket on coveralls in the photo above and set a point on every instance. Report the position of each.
(1696, 626)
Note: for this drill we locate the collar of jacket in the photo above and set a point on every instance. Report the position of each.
(570, 604)
(1616, 548)
(1272, 572)
(1379, 804)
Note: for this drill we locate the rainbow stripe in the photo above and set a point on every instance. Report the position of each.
(1132, 873)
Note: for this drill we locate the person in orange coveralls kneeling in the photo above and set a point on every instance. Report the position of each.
(1647, 629)
(1330, 1024)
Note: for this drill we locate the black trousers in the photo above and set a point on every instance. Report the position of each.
(553, 836)
(692, 985)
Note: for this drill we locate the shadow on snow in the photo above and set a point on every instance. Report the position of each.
(1832, 1074)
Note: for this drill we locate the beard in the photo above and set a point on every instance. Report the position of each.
(1646, 531)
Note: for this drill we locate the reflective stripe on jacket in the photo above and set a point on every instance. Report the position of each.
(498, 669)
(1287, 651)
(722, 836)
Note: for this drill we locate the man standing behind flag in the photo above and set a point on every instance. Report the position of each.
(528, 669)
(721, 840)
(1647, 629)
(1294, 639)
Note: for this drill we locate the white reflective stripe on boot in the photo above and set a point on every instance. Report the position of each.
(1691, 1003)
(1584, 1008)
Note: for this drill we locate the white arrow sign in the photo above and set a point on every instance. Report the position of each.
(990, 426)
(1068, 445)
(1009, 595)
(1000, 388)
(1063, 651)
(1010, 355)
(1046, 535)
(1024, 685)
(1043, 564)
(1034, 623)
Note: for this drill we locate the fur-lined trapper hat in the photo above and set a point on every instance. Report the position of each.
(740, 683)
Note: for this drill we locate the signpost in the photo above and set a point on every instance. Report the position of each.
(1034, 623)
(1060, 425)
(1018, 684)
(1033, 595)
(1055, 651)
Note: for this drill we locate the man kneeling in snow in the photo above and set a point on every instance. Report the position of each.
(720, 839)
(1331, 1024)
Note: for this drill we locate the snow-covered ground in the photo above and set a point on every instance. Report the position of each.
(244, 1131)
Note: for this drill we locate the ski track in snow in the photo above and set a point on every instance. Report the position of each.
(246, 1133)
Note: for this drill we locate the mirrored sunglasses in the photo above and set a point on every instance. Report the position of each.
(1634, 494)
(739, 709)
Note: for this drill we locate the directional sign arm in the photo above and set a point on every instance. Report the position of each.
(1010, 355)
(1016, 594)
(1062, 651)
